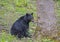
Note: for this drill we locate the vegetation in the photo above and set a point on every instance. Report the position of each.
(11, 10)
(4, 37)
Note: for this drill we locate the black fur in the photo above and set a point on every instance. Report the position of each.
(21, 27)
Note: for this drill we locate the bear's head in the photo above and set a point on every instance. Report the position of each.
(29, 17)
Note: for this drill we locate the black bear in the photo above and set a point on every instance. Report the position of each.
(21, 27)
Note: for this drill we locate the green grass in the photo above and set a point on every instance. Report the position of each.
(11, 10)
(4, 37)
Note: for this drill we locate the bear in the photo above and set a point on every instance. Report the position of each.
(20, 28)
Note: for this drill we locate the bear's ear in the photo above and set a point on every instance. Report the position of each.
(31, 13)
(26, 14)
